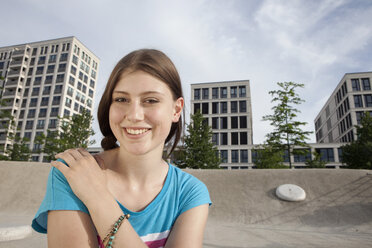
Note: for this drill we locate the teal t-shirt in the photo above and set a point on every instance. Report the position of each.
(181, 192)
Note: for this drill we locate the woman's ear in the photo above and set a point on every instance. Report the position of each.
(178, 106)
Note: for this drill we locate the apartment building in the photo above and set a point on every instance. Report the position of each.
(44, 80)
(343, 110)
(227, 108)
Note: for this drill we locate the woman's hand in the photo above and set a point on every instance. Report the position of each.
(85, 174)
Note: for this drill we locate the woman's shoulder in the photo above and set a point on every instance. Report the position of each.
(186, 179)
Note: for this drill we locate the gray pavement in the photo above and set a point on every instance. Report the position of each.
(245, 212)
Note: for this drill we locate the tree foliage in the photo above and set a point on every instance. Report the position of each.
(287, 131)
(74, 133)
(268, 158)
(198, 151)
(317, 162)
(358, 154)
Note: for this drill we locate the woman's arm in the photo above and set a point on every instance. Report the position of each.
(188, 230)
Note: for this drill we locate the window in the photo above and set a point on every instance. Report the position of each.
(75, 59)
(326, 154)
(92, 83)
(29, 124)
(52, 123)
(223, 92)
(205, 93)
(54, 112)
(214, 107)
(46, 90)
(303, 156)
(71, 81)
(234, 122)
(44, 101)
(234, 156)
(52, 58)
(31, 113)
(358, 101)
(60, 78)
(56, 100)
(37, 81)
(242, 106)
(41, 60)
(196, 94)
(355, 84)
(243, 138)
(81, 75)
(196, 107)
(233, 92)
(215, 138)
(39, 70)
(40, 124)
(62, 68)
(243, 121)
(223, 107)
(215, 93)
(85, 79)
(35, 91)
(243, 156)
(368, 100)
(366, 84)
(58, 89)
(68, 102)
(223, 138)
(223, 122)
(76, 107)
(63, 57)
(234, 106)
(242, 92)
(70, 91)
(234, 138)
(33, 102)
(66, 112)
(42, 112)
(90, 93)
(214, 122)
(205, 107)
(48, 79)
(224, 157)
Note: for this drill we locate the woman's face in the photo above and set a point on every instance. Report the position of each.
(142, 112)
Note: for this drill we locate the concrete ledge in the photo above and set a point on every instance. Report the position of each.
(15, 233)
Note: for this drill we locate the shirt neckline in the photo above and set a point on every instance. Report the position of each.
(157, 199)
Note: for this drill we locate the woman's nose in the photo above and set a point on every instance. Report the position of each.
(135, 112)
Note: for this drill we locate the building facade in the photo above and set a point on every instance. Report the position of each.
(226, 106)
(43, 80)
(344, 109)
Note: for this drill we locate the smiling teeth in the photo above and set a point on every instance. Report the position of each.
(136, 131)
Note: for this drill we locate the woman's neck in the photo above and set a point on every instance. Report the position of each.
(136, 169)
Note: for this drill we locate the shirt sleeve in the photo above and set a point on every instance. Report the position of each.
(194, 194)
(58, 196)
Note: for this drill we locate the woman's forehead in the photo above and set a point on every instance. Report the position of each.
(140, 81)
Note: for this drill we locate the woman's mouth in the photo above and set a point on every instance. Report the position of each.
(136, 131)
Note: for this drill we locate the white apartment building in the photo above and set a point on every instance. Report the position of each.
(227, 108)
(344, 109)
(44, 80)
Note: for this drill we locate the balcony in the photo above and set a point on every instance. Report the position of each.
(17, 62)
(14, 73)
(18, 52)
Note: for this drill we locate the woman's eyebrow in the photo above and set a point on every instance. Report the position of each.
(142, 93)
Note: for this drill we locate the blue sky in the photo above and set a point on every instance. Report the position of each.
(310, 42)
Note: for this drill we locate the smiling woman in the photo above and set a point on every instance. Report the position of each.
(128, 196)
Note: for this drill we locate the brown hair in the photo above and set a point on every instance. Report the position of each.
(158, 65)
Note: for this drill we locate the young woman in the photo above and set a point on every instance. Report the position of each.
(128, 196)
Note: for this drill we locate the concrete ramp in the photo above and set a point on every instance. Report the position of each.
(245, 212)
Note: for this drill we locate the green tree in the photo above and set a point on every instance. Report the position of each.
(287, 131)
(316, 162)
(268, 158)
(358, 154)
(74, 133)
(198, 151)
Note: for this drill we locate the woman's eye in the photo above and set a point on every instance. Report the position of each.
(151, 101)
(120, 99)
